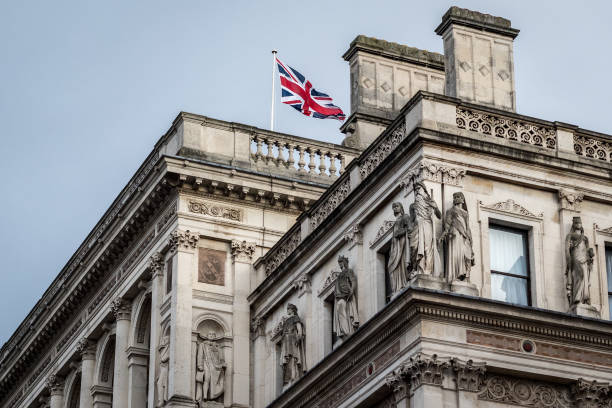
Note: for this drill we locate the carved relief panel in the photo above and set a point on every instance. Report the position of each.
(211, 266)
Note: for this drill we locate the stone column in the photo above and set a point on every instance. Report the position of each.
(396, 382)
(180, 381)
(156, 267)
(469, 379)
(258, 335)
(242, 256)
(122, 311)
(87, 349)
(56, 388)
(425, 375)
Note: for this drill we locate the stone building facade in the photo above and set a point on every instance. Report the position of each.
(452, 253)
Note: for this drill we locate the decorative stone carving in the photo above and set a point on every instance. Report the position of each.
(328, 282)
(469, 375)
(282, 251)
(397, 265)
(457, 235)
(185, 240)
(426, 170)
(424, 256)
(382, 231)
(395, 381)
(591, 394)
(423, 369)
(86, 348)
(210, 370)
(243, 251)
(509, 206)
(346, 315)
(293, 357)
(55, 384)
(525, 393)
(354, 235)
(258, 326)
(570, 200)
(330, 203)
(156, 264)
(302, 284)
(121, 309)
(161, 383)
(593, 148)
(534, 134)
(382, 151)
(213, 210)
(211, 266)
(605, 230)
(579, 263)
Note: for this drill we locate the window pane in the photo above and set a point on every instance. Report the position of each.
(508, 251)
(509, 289)
(609, 267)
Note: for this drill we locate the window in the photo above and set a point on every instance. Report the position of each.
(509, 265)
(609, 273)
(169, 276)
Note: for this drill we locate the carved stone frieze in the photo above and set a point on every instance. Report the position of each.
(156, 264)
(525, 393)
(382, 231)
(183, 240)
(214, 210)
(121, 309)
(570, 200)
(430, 171)
(591, 394)
(354, 235)
(382, 151)
(330, 203)
(282, 251)
(469, 375)
(592, 148)
(243, 250)
(511, 207)
(423, 369)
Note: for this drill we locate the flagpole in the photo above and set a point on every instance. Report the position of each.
(273, 93)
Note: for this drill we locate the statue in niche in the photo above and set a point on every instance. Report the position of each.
(458, 237)
(346, 317)
(162, 377)
(424, 256)
(210, 370)
(579, 261)
(397, 265)
(293, 356)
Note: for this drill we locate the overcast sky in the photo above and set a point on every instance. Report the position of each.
(88, 87)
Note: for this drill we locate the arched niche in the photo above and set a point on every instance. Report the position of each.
(141, 332)
(73, 391)
(106, 363)
(208, 323)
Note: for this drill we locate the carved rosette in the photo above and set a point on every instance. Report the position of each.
(570, 200)
(156, 264)
(353, 236)
(439, 173)
(396, 382)
(86, 348)
(469, 375)
(423, 369)
(243, 251)
(121, 309)
(183, 240)
(591, 394)
(55, 384)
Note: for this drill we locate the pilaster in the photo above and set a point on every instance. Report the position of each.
(156, 267)
(121, 309)
(258, 335)
(138, 364)
(87, 349)
(55, 384)
(425, 375)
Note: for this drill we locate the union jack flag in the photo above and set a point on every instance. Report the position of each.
(298, 92)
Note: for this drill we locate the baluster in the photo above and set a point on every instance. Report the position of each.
(270, 156)
(281, 155)
(259, 152)
(342, 163)
(322, 164)
(332, 165)
(311, 165)
(290, 159)
(301, 162)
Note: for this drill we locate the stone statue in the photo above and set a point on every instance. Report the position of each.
(458, 237)
(210, 370)
(162, 377)
(424, 256)
(293, 358)
(579, 261)
(397, 266)
(346, 317)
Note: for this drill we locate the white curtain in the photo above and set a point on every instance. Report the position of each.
(507, 250)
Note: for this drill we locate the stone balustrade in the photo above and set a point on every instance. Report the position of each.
(593, 147)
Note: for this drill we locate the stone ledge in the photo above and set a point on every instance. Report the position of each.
(477, 20)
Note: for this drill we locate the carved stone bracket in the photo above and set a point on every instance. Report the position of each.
(353, 236)
(86, 348)
(302, 285)
(470, 375)
(439, 173)
(422, 369)
(243, 251)
(156, 264)
(396, 382)
(510, 207)
(121, 309)
(591, 394)
(55, 384)
(570, 200)
(183, 240)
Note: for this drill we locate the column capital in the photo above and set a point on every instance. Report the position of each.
(86, 348)
(423, 369)
(570, 200)
(470, 375)
(156, 265)
(242, 251)
(121, 309)
(183, 241)
(589, 394)
(397, 383)
(55, 384)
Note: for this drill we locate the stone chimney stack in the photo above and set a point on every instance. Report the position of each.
(478, 58)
